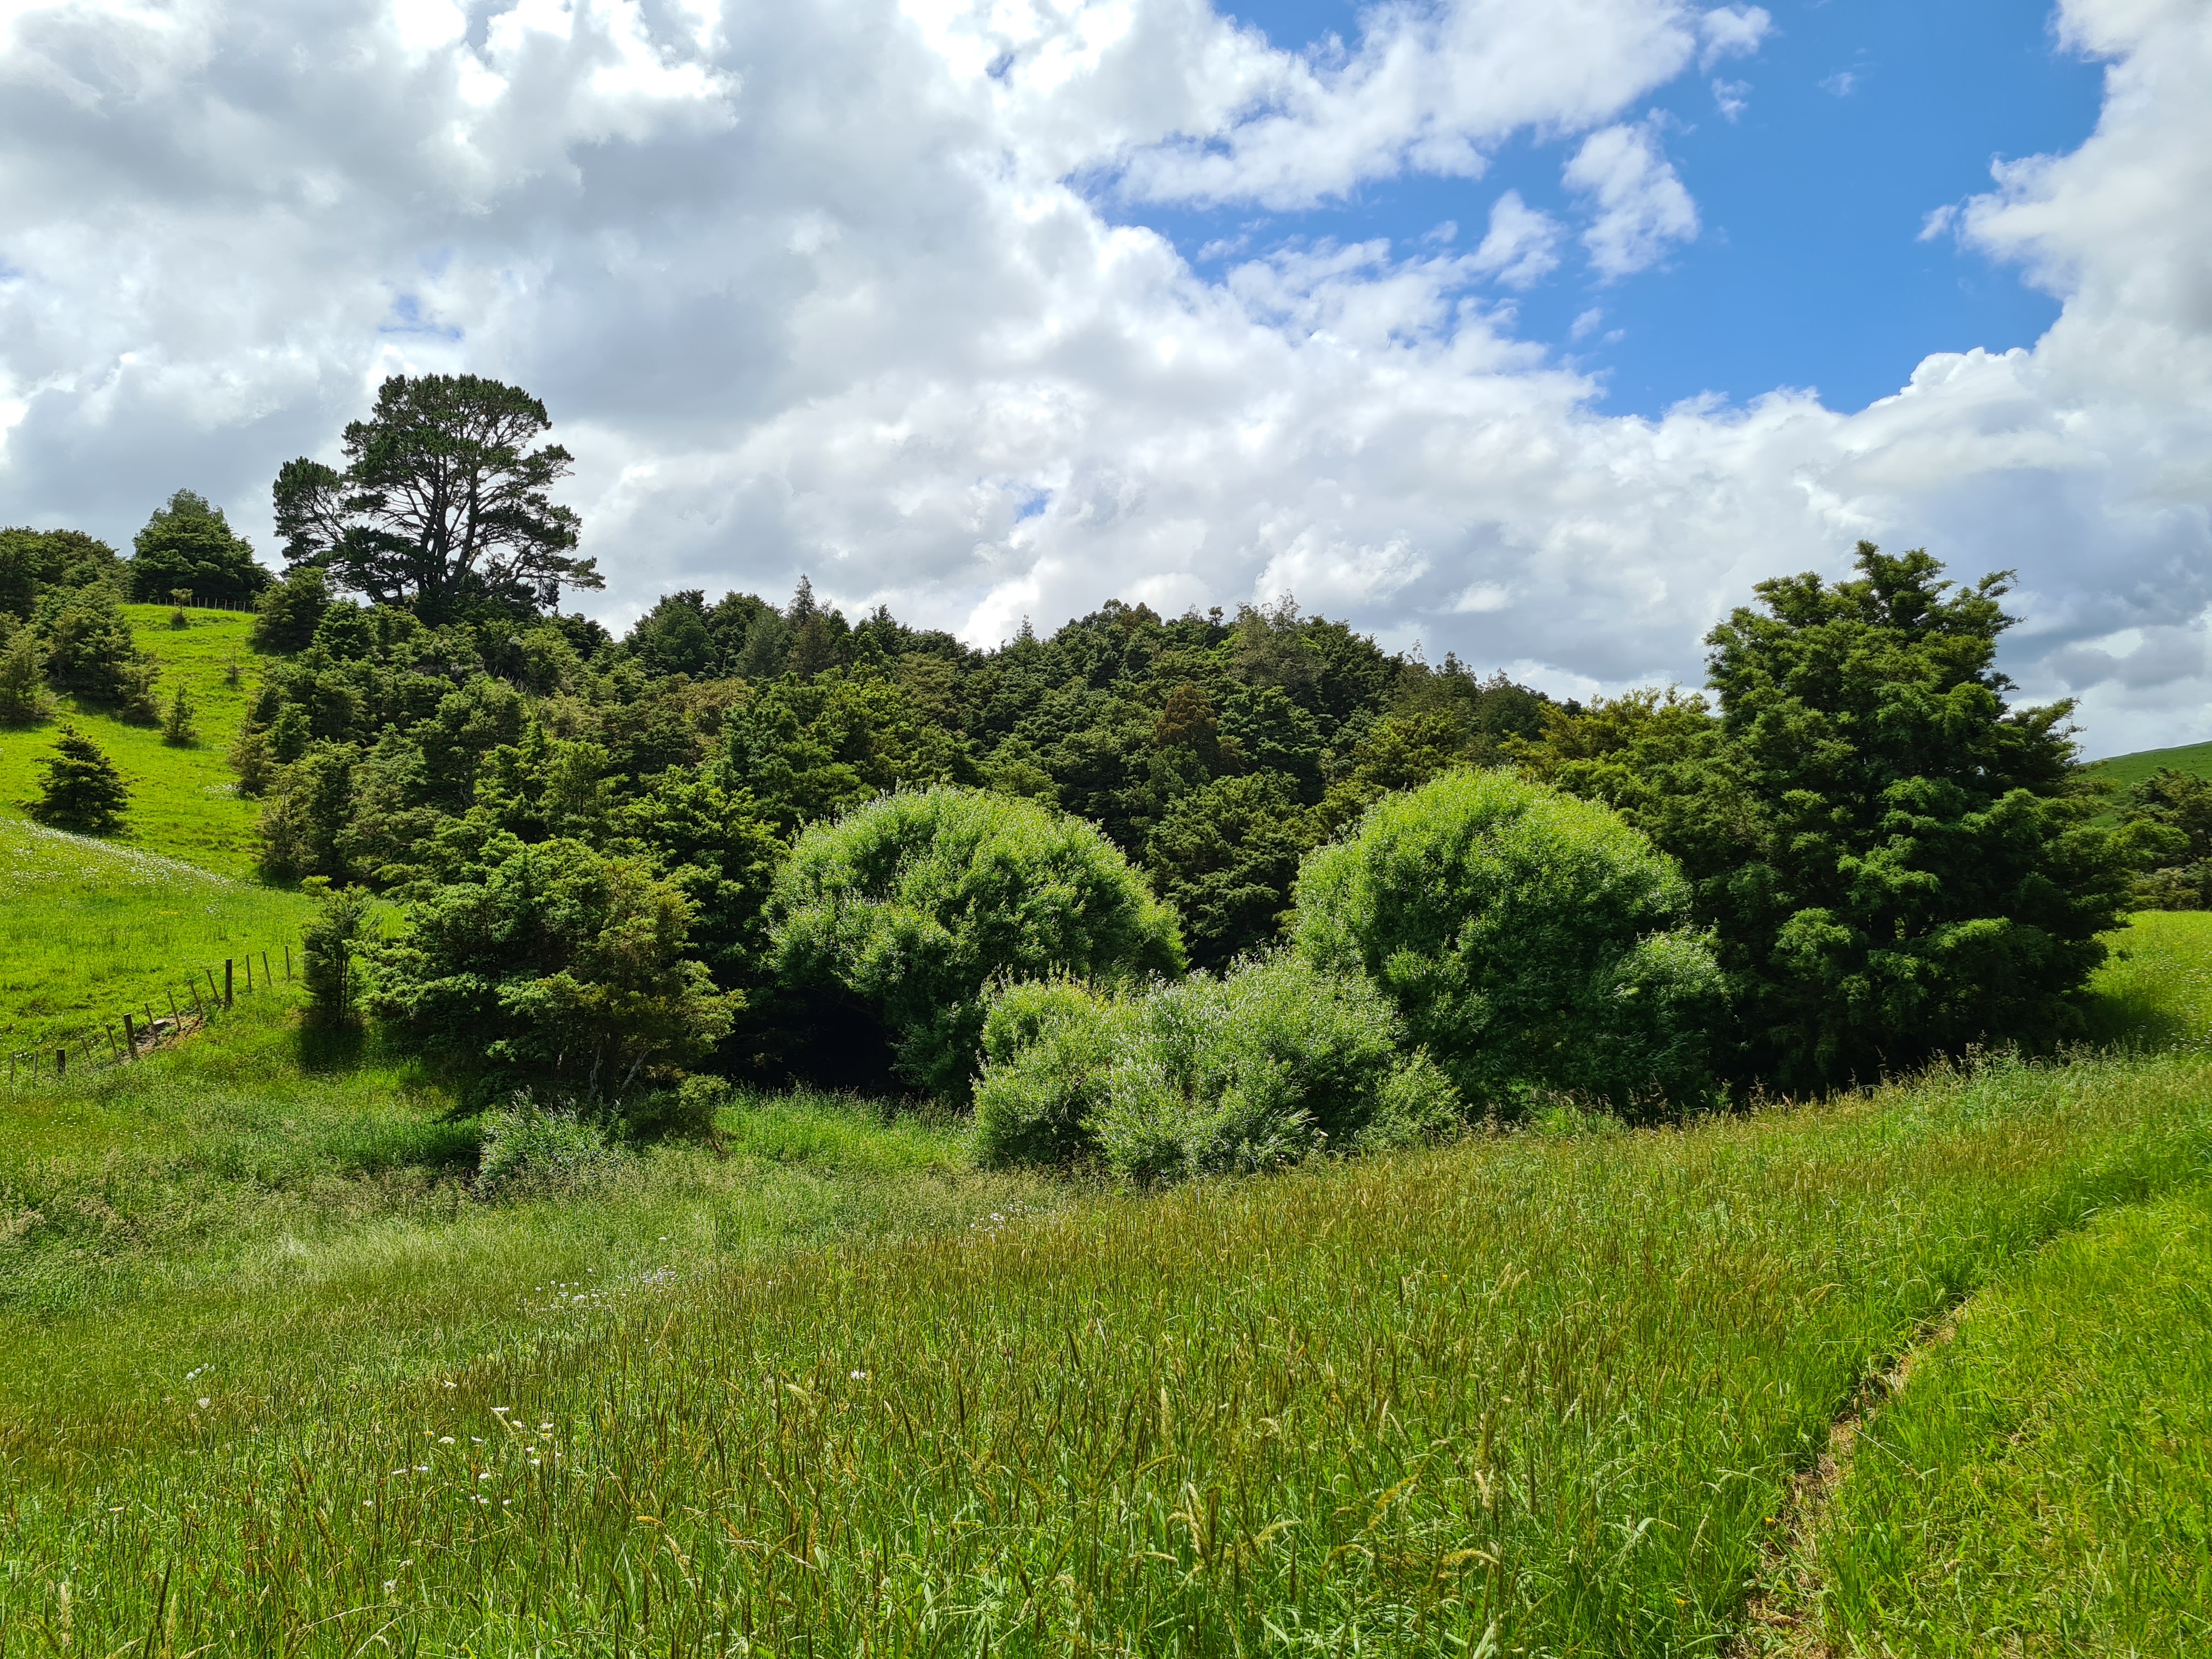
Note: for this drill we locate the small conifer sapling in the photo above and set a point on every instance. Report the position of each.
(176, 727)
(83, 790)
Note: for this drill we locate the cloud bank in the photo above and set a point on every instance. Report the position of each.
(840, 289)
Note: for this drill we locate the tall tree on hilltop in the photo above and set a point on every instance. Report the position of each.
(441, 501)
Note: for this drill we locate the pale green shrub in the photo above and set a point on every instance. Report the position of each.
(1262, 1068)
(526, 1148)
(914, 902)
(1534, 943)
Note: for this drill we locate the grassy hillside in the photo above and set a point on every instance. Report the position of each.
(183, 804)
(279, 1381)
(2128, 770)
(2041, 1485)
(92, 929)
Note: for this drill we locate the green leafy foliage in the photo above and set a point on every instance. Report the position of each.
(442, 501)
(328, 947)
(83, 790)
(912, 904)
(1223, 856)
(1257, 1069)
(2167, 833)
(1893, 860)
(24, 699)
(34, 564)
(90, 651)
(289, 611)
(177, 728)
(553, 963)
(1533, 942)
(189, 545)
(528, 1150)
(711, 737)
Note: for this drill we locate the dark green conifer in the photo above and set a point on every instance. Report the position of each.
(82, 789)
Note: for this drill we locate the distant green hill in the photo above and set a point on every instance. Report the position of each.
(2129, 770)
(183, 801)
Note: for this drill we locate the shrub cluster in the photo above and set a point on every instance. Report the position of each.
(1259, 1067)
(751, 838)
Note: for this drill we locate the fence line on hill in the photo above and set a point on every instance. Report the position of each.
(99, 1045)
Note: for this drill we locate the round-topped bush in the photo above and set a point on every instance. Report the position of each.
(1534, 943)
(916, 903)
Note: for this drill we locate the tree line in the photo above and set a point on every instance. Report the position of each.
(1873, 856)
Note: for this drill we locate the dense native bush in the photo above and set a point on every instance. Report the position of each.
(1894, 862)
(1260, 1067)
(189, 545)
(89, 651)
(551, 961)
(912, 904)
(289, 611)
(1224, 856)
(2167, 834)
(36, 562)
(1533, 942)
(23, 697)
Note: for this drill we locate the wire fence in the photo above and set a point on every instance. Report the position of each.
(192, 602)
(88, 1047)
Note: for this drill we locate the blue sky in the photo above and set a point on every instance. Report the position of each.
(1859, 118)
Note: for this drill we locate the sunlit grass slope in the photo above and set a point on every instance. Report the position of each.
(1540, 1391)
(90, 927)
(2044, 1484)
(250, 1184)
(182, 802)
(2128, 770)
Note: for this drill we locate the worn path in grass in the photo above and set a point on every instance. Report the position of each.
(2044, 1484)
(2035, 1474)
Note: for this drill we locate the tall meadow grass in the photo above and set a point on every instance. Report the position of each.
(1531, 1393)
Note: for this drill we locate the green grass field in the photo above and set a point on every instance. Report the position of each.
(93, 929)
(278, 1383)
(2128, 770)
(183, 804)
(2043, 1485)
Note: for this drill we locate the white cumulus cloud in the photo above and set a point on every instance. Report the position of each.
(1640, 205)
(831, 289)
(1522, 243)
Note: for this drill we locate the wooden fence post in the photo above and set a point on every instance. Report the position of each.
(267, 978)
(130, 1039)
(210, 972)
(227, 986)
(61, 1062)
(176, 1019)
(288, 959)
(249, 970)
